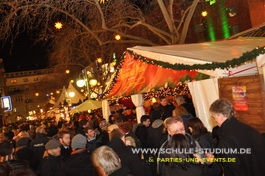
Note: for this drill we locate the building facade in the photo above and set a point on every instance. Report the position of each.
(2, 78)
(29, 90)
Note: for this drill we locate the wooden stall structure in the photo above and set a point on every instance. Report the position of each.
(255, 98)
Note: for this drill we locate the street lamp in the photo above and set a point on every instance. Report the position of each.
(71, 94)
(93, 82)
(80, 83)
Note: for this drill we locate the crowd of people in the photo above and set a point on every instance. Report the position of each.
(171, 139)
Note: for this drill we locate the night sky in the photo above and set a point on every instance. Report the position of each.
(24, 55)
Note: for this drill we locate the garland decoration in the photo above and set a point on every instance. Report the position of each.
(246, 57)
(179, 89)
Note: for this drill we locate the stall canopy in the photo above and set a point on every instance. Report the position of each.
(64, 96)
(136, 77)
(144, 68)
(202, 53)
(87, 105)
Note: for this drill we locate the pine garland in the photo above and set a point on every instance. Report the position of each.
(246, 57)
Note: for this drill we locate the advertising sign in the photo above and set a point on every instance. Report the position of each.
(6, 103)
(239, 94)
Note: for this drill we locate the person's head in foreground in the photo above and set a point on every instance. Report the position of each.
(174, 125)
(129, 141)
(106, 161)
(145, 120)
(183, 144)
(53, 147)
(64, 137)
(117, 133)
(196, 127)
(222, 110)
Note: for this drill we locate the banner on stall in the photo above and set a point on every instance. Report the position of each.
(239, 94)
(136, 77)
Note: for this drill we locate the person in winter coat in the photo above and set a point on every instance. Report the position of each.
(235, 135)
(182, 164)
(141, 130)
(128, 158)
(79, 163)
(94, 140)
(200, 133)
(38, 146)
(51, 165)
(155, 134)
(65, 139)
(175, 125)
(23, 152)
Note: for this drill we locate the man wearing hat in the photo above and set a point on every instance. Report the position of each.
(51, 164)
(79, 163)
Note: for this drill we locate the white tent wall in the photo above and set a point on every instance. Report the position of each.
(204, 93)
(261, 65)
(77, 97)
(138, 101)
(105, 110)
(61, 98)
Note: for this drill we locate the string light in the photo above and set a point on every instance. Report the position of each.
(246, 57)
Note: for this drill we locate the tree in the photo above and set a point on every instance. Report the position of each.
(89, 26)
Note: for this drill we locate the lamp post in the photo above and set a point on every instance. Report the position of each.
(93, 77)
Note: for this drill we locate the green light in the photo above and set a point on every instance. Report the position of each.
(224, 20)
(211, 29)
(211, 1)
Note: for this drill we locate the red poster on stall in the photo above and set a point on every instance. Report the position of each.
(239, 94)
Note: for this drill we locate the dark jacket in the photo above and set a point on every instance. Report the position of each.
(237, 135)
(65, 152)
(124, 171)
(161, 154)
(207, 142)
(94, 144)
(142, 135)
(51, 166)
(79, 164)
(38, 147)
(127, 157)
(24, 153)
(104, 135)
(190, 108)
(167, 111)
(156, 136)
(193, 170)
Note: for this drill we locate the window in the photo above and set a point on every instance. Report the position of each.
(19, 98)
(13, 81)
(26, 80)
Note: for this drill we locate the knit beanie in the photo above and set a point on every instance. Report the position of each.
(79, 141)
